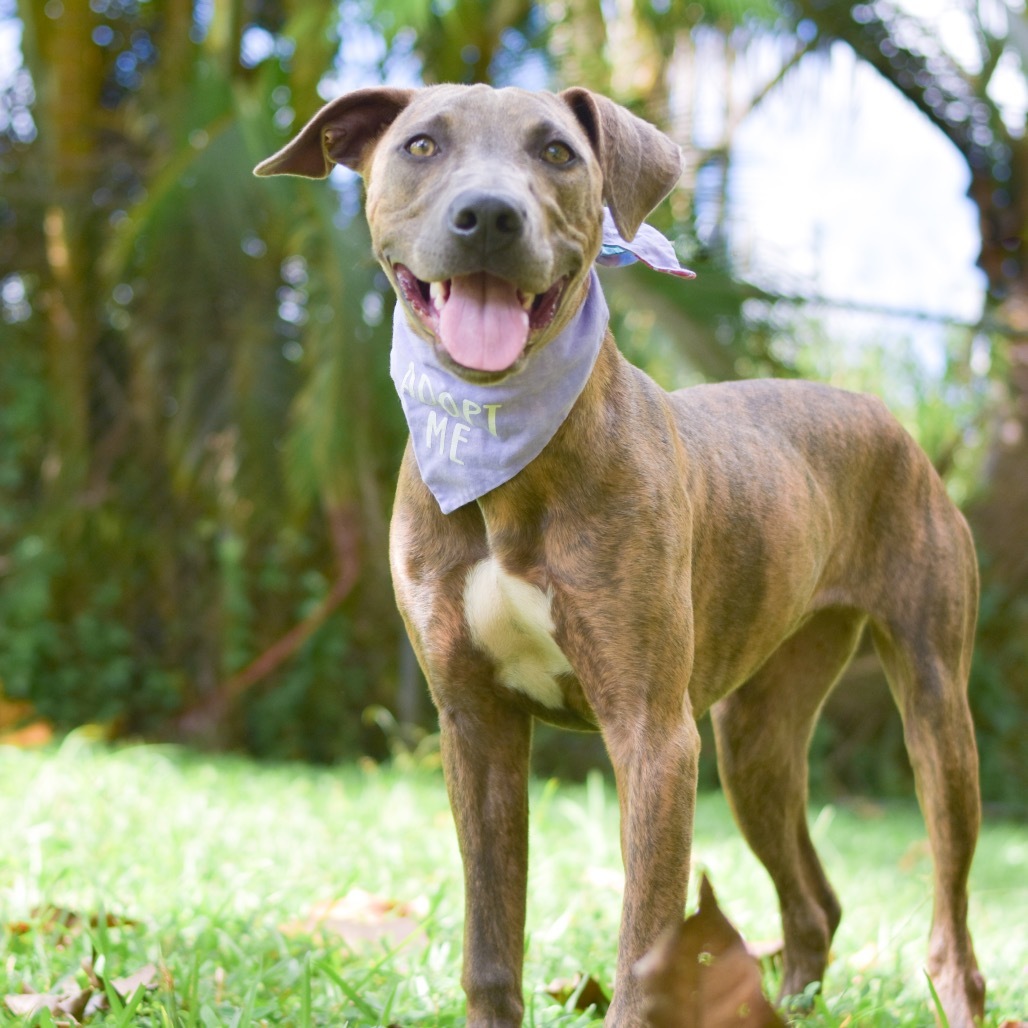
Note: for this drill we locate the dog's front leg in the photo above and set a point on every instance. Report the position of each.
(656, 780)
(485, 751)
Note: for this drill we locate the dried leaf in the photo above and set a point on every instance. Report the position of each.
(391, 932)
(586, 990)
(93, 1000)
(74, 1004)
(49, 918)
(768, 951)
(38, 733)
(97, 1004)
(359, 919)
(112, 921)
(145, 976)
(71, 1002)
(90, 972)
(699, 975)
(65, 922)
(26, 1004)
(13, 712)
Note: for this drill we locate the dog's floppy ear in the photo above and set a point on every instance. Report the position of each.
(640, 164)
(342, 132)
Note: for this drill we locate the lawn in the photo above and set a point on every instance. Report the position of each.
(215, 870)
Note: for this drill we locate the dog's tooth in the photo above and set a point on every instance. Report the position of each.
(527, 299)
(437, 290)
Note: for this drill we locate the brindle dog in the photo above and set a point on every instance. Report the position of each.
(720, 548)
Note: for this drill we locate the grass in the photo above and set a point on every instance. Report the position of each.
(204, 866)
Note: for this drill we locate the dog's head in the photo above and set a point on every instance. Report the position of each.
(486, 205)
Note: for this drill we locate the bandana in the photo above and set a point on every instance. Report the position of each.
(468, 439)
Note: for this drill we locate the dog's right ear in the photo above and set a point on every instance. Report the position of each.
(344, 131)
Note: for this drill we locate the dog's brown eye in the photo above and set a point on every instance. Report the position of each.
(422, 146)
(557, 153)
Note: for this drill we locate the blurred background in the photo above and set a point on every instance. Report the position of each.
(198, 435)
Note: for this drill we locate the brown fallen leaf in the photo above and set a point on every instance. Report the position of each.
(72, 1002)
(47, 919)
(1014, 1024)
(24, 1004)
(145, 976)
(589, 992)
(65, 922)
(30, 736)
(14, 713)
(766, 950)
(359, 919)
(699, 975)
(81, 1004)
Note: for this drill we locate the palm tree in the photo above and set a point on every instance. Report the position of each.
(197, 475)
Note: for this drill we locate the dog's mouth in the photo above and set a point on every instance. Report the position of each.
(484, 323)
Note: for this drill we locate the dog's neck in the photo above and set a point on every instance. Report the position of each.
(470, 439)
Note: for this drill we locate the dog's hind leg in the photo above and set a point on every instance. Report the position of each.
(763, 732)
(927, 672)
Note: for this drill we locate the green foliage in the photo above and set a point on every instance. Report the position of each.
(305, 714)
(999, 692)
(194, 392)
(231, 409)
(673, 14)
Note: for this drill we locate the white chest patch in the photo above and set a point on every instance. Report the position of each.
(510, 620)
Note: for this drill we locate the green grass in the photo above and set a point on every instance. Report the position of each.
(201, 864)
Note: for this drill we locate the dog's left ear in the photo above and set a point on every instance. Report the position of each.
(342, 132)
(640, 164)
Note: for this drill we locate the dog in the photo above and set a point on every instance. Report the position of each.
(644, 557)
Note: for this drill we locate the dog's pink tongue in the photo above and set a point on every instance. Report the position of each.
(482, 325)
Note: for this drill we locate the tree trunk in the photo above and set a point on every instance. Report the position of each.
(1000, 515)
(1001, 512)
(68, 73)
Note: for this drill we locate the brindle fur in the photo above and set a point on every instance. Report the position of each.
(720, 548)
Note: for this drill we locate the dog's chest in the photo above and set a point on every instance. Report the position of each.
(511, 620)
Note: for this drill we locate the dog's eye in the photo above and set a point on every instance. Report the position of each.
(422, 146)
(557, 153)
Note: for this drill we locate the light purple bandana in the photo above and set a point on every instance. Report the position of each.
(468, 439)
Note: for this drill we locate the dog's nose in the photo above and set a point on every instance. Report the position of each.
(486, 219)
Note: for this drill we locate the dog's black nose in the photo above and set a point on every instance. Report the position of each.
(486, 219)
